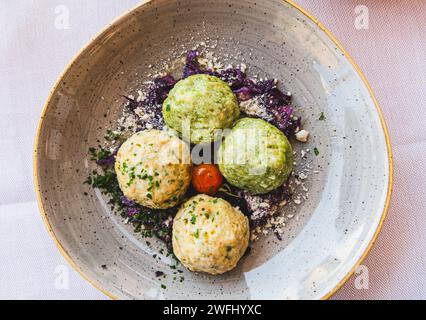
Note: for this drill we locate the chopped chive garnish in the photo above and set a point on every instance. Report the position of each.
(197, 234)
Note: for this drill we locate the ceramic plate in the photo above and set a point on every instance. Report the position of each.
(348, 193)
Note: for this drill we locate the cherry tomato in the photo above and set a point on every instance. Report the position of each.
(206, 178)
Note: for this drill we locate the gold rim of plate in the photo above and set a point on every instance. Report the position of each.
(335, 41)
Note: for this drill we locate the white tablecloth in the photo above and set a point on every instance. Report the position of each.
(35, 47)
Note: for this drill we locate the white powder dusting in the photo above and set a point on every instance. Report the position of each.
(255, 107)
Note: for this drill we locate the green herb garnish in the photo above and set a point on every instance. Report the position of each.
(197, 234)
(112, 136)
(100, 154)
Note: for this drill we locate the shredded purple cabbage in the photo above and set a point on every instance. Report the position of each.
(191, 66)
(127, 202)
(275, 98)
(243, 94)
(133, 104)
(158, 91)
(132, 211)
(234, 77)
(284, 120)
(250, 89)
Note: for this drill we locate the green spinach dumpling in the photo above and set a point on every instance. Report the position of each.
(204, 103)
(255, 156)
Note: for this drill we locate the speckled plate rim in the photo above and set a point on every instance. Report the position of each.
(338, 45)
